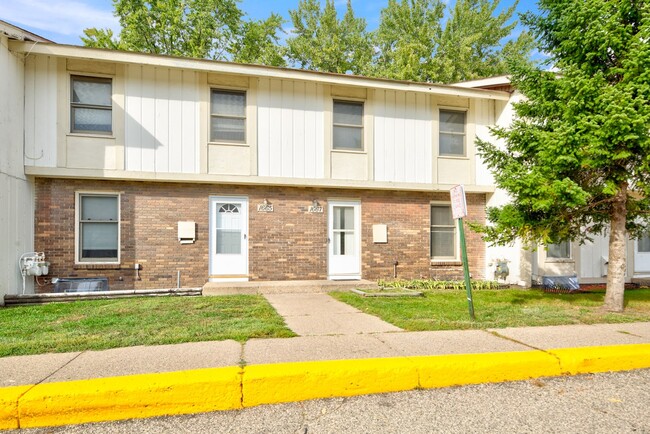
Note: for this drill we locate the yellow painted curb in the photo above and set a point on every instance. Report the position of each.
(300, 381)
(462, 369)
(603, 359)
(9, 405)
(229, 388)
(128, 397)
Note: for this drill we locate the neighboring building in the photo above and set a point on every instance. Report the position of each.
(16, 191)
(142, 166)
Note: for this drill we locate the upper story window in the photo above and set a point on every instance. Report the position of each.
(443, 233)
(227, 116)
(561, 250)
(91, 106)
(452, 133)
(348, 125)
(99, 220)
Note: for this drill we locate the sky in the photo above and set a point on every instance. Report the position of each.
(63, 21)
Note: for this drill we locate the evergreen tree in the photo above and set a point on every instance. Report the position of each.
(576, 160)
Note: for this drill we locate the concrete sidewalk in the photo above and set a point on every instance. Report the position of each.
(341, 352)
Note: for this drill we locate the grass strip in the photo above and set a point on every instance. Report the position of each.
(447, 310)
(103, 324)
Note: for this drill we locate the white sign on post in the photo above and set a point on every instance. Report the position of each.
(458, 202)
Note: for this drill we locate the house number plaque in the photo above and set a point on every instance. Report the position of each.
(315, 209)
(265, 207)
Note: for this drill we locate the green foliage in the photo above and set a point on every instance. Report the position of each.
(260, 43)
(409, 44)
(431, 285)
(407, 37)
(412, 44)
(581, 136)
(470, 45)
(193, 28)
(322, 42)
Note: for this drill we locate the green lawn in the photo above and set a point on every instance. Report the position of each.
(447, 310)
(101, 324)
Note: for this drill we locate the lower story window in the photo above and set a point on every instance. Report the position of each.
(99, 228)
(443, 233)
(561, 250)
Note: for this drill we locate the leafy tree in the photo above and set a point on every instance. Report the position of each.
(414, 46)
(407, 38)
(322, 42)
(576, 160)
(195, 28)
(259, 43)
(471, 43)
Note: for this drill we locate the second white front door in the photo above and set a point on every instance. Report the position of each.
(642, 255)
(344, 236)
(228, 238)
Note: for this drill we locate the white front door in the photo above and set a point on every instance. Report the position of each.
(344, 236)
(228, 239)
(642, 255)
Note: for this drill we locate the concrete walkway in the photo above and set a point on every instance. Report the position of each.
(321, 315)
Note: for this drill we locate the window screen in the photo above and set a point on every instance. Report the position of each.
(98, 228)
(91, 109)
(452, 133)
(561, 250)
(348, 125)
(227, 116)
(443, 232)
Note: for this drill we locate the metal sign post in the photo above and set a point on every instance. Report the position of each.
(458, 211)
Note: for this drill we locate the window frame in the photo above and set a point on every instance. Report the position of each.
(441, 131)
(569, 256)
(74, 105)
(361, 126)
(454, 226)
(78, 228)
(213, 115)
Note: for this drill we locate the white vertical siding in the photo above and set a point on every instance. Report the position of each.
(16, 192)
(290, 138)
(40, 111)
(161, 125)
(402, 132)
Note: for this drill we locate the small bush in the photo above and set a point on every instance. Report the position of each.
(432, 285)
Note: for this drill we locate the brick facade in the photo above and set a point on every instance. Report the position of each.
(287, 244)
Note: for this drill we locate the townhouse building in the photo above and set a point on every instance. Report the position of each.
(142, 168)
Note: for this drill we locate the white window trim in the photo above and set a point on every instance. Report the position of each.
(77, 223)
(464, 110)
(456, 257)
(363, 149)
(95, 134)
(247, 131)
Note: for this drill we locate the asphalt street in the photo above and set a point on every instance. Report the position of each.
(602, 403)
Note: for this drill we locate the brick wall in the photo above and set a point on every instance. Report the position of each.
(289, 243)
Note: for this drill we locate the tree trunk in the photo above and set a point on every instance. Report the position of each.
(615, 293)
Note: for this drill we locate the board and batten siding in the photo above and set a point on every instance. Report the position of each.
(290, 129)
(16, 191)
(162, 120)
(40, 111)
(402, 136)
